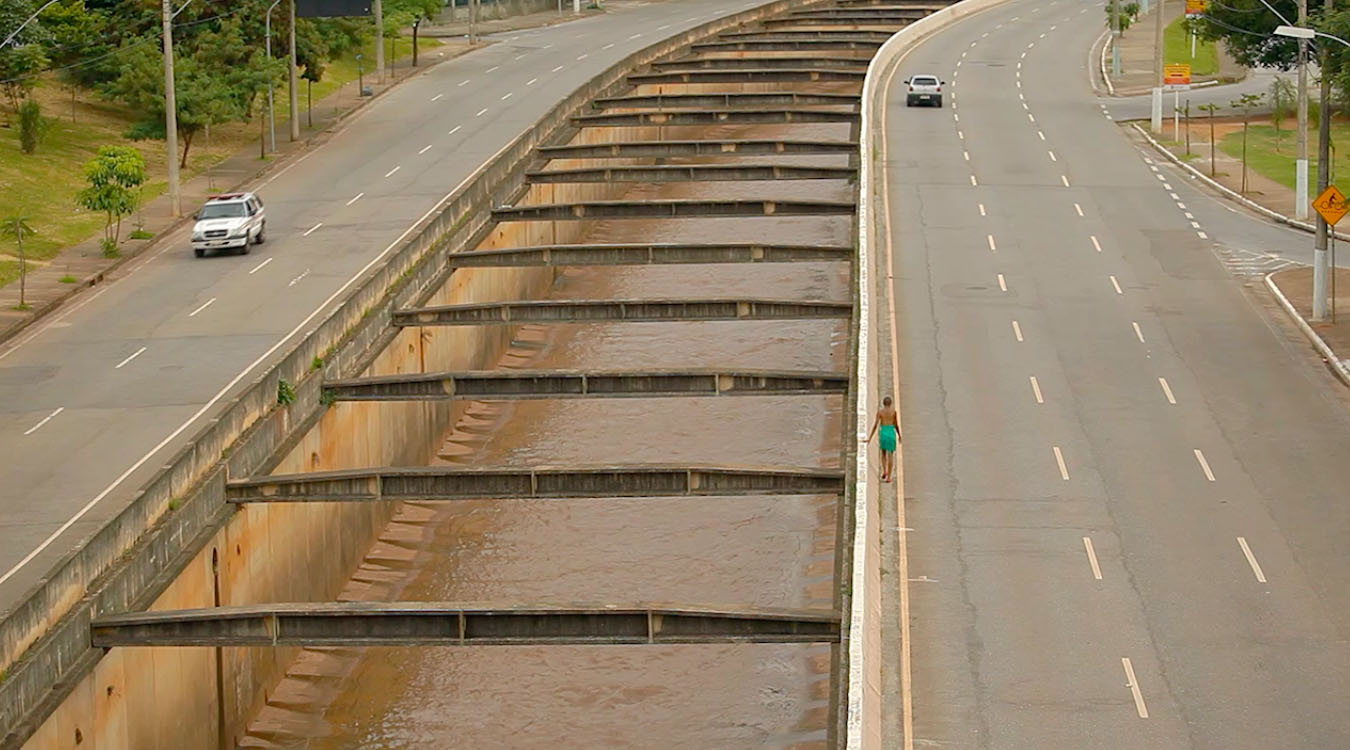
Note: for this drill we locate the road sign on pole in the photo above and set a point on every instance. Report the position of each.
(1177, 77)
(1195, 8)
(1331, 205)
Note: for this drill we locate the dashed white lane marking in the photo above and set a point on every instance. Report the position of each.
(1203, 236)
(465, 82)
(205, 305)
(1064, 179)
(582, 56)
(425, 149)
(1188, 215)
(1002, 284)
(635, 36)
(992, 246)
(45, 420)
(1195, 225)
(134, 355)
(517, 57)
(1133, 685)
(956, 117)
(454, 130)
(1180, 205)
(555, 70)
(662, 27)
(966, 154)
(607, 46)
(1251, 560)
(507, 95)
(1017, 330)
(1166, 186)
(1036, 391)
(297, 279)
(494, 67)
(1095, 244)
(1059, 459)
(259, 267)
(1078, 208)
(972, 181)
(1092, 558)
(982, 213)
(1116, 284)
(961, 134)
(1204, 465)
(391, 172)
(437, 97)
(1138, 332)
(1167, 391)
(1031, 117)
(1052, 155)
(357, 198)
(531, 81)
(315, 228)
(480, 112)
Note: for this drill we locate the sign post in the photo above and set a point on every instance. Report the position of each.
(1331, 206)
(1176, 78)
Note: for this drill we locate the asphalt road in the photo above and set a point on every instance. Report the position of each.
(93, 402)
(1126, 475)
(1140, 107)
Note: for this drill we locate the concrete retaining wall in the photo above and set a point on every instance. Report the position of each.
(179, 519)
(864, 692)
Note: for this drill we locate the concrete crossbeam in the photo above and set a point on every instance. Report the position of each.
(908, 12)
(714, 117)
(627, 311)
(641, 149)
(748, 76)
(789, 45)
(762, 63)
(446, 484)
(520, 385)
(649, 255)
(692, 173)
(671, 209)
(461, 624)
(923, 4)
(727, 101)
(870, 23)
(871, 35)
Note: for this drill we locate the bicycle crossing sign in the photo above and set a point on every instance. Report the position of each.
(1331, 205)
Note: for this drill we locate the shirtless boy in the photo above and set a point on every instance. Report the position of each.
(889, 423)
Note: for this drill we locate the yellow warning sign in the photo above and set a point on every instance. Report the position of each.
(1177, 75)
(1331, 205)
(1195, 8)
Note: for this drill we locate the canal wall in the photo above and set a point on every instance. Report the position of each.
(177, 543)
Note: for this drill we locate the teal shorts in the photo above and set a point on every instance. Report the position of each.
(888, 438)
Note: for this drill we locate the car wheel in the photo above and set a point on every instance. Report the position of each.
(200, 253)
(243, 249)
(262, 233)
(938, 103)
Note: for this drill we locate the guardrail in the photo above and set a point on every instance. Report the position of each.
(865, 700)
(44, 642)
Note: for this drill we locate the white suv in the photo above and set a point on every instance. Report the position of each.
(229, 222)
(924, 89)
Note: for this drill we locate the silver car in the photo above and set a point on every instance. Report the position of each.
(229, 222)
(924, 89)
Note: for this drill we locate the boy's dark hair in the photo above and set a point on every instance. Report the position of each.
(886, 401)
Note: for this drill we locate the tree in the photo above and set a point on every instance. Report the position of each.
(1247, 30)
(1211, 108)
(23, 58)
(15, 226)
(114, 176)
(1282, 96)
(216, 81)
(32, 126)
(1245, 103)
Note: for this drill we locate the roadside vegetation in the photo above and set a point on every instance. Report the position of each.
(87, 74)
(1177, 49)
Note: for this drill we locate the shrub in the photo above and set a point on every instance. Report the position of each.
(32, 126)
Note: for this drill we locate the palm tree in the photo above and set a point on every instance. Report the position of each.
(16, 226)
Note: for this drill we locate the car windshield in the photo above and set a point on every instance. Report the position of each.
(221, 211)
(925, 81)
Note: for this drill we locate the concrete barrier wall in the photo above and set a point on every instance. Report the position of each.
(865, 698)
(174, 522)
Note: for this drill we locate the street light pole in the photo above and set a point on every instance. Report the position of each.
(378, 10)
(295, 94)
(1301, 163)
(1115, 37)
(170, 113)
(271, 119)
(1155, 121)
(1319, 291)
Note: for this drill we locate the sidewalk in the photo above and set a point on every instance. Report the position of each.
(56, 281)
(1295, 284)
(1137, 54)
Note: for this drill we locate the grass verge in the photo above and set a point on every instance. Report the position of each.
(1177, 49)
(1264, 158)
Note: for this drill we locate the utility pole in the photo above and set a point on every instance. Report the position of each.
(1155, 122)
(170, 113)
(378, 10)
(473, 21)
(1301, 164)
(271, 113)
(1115, 37)
(1319, 295)
(295, 95)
